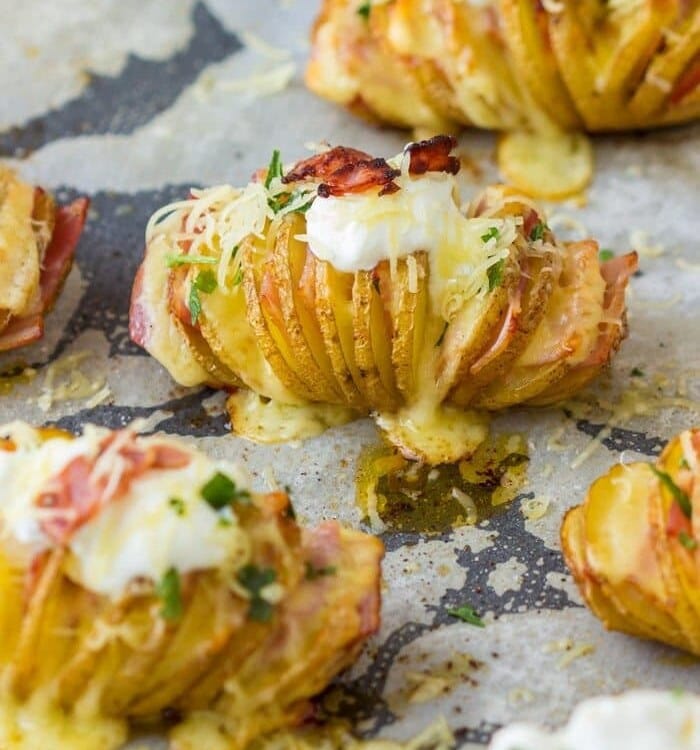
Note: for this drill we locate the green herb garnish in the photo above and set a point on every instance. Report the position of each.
(441, 338)
(537, 232)
(204, 281)
(238, 276)
(491, 234)
(467, 614)
(678, 495)
(274, 169)
(605, 254)
(178, 505)
(186, 260)
(687, 541)
(636, 372)
(254, 580)
(683, 463)
(495, 274)
(169, 592)
(312, 573)
(365, 9)
(221, 491)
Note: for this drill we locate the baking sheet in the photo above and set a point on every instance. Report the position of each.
(133, 101)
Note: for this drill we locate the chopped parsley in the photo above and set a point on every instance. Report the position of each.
(178, 505)
(169, 592)
(441, 338)
(274, 169)
(678, 495)
(495, 274)
(606, 254)
(365, 9)
(220, 491)
(189, 260)
(467, 614)
(205, 282)
(312, 572)
(491, 234)
(238, 276)
(683, 463)
(254, 579)
(687, 541)
(637, 372)
(537, 232)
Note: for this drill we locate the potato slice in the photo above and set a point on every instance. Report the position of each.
(333, 308)
(260, 323)
(551, 166)
(19, 255)
(573, 543)
(267, 421)
(199, 348)
(408, 317)
(371, 343)
(313, 364)
(528, 42)
(621, 551)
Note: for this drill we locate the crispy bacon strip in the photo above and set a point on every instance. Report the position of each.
(345, 170)
(324, 166)
(77, 493)
(433, 155)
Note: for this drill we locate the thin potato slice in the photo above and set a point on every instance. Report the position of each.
(288, 260)
(259, 323)
(552, 166)
(621, 551)
(199, 348)
(366, 311)
(333, 308)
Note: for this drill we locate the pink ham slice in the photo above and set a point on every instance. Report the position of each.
(57, 262)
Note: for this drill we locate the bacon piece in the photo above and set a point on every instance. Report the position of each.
(324, 166)
(82, 487)
(433, 155)
(140, 322)
(616, 273)
(345, 170)
(56, 264)
(21, 332)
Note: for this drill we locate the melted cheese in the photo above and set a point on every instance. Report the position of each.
(39, 724)
(642, 719)
(139, 534)
(356, 232)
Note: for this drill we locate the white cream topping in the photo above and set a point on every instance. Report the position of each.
(640, 719)
(161, 522)
(355, 232)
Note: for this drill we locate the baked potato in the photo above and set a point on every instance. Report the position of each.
(37, 244)
(142, 581)
(510, 64)
(366, 286)
(632, 546)
(647, 719)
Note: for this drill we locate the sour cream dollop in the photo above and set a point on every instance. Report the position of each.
(639, 719)
(161, 522)
(356, 232)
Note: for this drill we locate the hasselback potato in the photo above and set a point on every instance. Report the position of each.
(37, 243)
(368, 285)
(141, 580)
(597, 65)
(633, 546)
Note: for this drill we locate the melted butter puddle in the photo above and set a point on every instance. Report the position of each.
(400, 495)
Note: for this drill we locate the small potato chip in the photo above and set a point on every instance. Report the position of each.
(552, 165)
